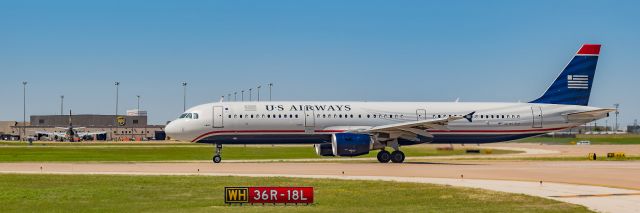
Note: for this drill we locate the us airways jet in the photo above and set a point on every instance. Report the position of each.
(356, 128)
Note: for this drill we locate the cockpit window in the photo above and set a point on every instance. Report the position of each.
(189, 115)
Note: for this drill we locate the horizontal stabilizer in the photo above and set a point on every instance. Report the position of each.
(589, 115)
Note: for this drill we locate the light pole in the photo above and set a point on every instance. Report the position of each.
(229, 96)
(270, 85)
(62, 105)
(259, 92)
(138, 96)
(235, 96)
(242, 96)
(184, 96)
(24, 110)
(617, 112)
(250, 95)
(117, 97)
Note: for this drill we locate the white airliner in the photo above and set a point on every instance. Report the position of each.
(355, 128)
(70, 133)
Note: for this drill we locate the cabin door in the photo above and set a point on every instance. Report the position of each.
(218, 117)
(536, 112)
(309, 118)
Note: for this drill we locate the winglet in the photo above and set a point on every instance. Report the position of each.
(469, 116)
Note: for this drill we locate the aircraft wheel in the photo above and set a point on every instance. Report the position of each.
(384, 156)
(397, 156)
(217, 159)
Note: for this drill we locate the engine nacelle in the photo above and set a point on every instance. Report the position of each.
(324, 149)
(350, 144)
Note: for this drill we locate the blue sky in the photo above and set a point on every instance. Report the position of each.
(311, 50)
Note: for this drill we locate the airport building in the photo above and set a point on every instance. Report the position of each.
(132, 126)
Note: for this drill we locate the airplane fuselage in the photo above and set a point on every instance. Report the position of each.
(314, 122)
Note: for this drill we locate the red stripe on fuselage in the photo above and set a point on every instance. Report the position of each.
(246, 131)
(338, 131)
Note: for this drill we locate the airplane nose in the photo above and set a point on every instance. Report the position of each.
(172, 130)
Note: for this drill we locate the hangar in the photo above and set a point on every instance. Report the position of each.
(132, 126)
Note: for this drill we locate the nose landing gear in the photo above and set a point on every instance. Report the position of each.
(217, 158)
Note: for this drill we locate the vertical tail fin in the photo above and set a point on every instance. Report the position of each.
(573, 86)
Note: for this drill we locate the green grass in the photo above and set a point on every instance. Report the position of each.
(181, 153)
(98, 143)
(104, 193)
(600, 158)
(595, 139)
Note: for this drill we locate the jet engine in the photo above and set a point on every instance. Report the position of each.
(324, 149)
(350, 144)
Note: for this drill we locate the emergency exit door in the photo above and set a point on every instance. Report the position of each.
(421, 114)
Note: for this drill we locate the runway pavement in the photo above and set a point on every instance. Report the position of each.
(610, 186)
(606, 186)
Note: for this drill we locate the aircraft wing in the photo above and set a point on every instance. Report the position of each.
(49, 134)
(416, 127)
(587, 115)
(82, 134)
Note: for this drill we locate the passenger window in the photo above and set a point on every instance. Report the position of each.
(279, 116)
(229, 116)
(240, 116)
(268, 116)
(296, 116)
(368, 116)
(360, 116)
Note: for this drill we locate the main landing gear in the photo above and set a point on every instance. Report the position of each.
(396, 156)
(217, 158)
